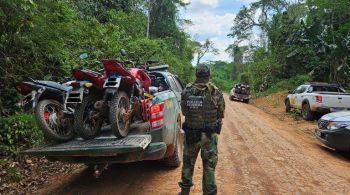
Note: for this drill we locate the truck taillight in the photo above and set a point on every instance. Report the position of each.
(319, 99)
(157, 115)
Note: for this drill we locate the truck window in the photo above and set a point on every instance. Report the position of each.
(325, 89)
(178, 83)
(172, 84)
(300, 89)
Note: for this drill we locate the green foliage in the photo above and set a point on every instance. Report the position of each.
(221, 75)
(46, 37)
(13, 174)
(295, 114)
(287, 84)
(18, 132)
(307, 38)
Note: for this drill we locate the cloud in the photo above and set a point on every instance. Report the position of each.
(246, 1)
(211, 3)
(210, 24)
(212, 19)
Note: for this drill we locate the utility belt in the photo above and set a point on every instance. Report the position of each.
(194, 135)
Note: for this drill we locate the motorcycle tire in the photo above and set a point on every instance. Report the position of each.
(119, 105)
(46, 115)
(86, 126)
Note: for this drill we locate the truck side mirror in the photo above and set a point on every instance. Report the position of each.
(290, 92)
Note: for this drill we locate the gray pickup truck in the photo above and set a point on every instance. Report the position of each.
(159, 139)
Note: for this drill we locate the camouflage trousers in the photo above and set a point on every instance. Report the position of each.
(209, 155)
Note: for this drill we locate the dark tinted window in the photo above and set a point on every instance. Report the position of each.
(325, 89)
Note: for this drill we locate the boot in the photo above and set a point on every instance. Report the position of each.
(184, 191)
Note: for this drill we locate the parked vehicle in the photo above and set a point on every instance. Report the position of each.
(314, 98)
(161, 138)
(240, 92)
(333, 130)
(47, 98)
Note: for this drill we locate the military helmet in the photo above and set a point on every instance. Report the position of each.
(202, 71)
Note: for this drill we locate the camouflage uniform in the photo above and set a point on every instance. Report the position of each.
(202, 103)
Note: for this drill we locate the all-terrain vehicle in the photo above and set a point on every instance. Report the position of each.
(240, 92)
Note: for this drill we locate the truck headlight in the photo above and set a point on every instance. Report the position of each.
(338, 125)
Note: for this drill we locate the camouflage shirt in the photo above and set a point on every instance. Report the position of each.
(208, 91)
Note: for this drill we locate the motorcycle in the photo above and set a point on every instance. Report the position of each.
(52, 116)
(117, 97)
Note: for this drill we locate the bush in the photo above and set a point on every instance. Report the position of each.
(18, 132)
(287, 84)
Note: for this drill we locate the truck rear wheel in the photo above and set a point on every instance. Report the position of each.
(306, 112)
(176, 158)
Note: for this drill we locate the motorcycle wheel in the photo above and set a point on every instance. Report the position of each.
(87, 123)
(119, 106)
(46, 115)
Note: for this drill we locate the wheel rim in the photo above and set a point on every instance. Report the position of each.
(51, 118)
(122, 124)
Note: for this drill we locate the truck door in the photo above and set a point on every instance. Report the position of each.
(299, 96)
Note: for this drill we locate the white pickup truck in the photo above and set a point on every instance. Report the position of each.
(314, 98)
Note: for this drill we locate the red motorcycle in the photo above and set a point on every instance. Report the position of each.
(117, 96)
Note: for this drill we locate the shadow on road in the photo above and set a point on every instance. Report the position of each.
(335, 153)
(131, 178)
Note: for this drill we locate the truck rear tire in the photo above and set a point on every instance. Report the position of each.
(306, 112)
(176, 158)
(246, 101)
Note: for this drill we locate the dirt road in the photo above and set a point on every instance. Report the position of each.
(258, 154)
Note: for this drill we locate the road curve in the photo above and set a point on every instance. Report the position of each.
(258, 154)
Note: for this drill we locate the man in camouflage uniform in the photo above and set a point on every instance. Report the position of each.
(203, 105)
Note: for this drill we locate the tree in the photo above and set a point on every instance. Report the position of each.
(201, 49)
(237, 53)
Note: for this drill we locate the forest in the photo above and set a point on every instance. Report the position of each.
(276, 45)
(294, 42)
(44, 38)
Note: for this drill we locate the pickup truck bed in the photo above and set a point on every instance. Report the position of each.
(105, 148)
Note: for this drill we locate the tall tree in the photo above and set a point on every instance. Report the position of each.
(201, 49)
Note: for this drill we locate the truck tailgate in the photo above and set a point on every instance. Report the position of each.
(101, 146)
(336, 100)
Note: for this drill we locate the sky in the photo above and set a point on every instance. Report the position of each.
(212, 19)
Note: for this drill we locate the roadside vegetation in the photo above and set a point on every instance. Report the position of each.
(297, 41)
(43, 40)
(40, 38)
